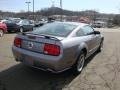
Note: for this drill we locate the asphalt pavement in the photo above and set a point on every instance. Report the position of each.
(101, 71)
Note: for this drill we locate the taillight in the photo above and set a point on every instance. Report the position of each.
(18, 42)
(52, 49)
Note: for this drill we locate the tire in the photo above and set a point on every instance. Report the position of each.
(32, 29)
(79, 65)
(21, 30)
(1, 33)
(9, 31)
(100, 47)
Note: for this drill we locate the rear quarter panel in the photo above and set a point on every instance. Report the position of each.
(72, 48)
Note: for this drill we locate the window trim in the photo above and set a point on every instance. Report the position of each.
(79, 35)
(88, 33)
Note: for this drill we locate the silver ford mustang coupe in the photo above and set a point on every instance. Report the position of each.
(57, 46)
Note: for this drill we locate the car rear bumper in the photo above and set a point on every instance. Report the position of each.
(25, 29)
(44, 62)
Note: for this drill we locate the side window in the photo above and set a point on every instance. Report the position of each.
(25, 22)
(80, 33)
(87, 30)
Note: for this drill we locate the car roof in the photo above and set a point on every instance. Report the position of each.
(7, 20)
(74, 23)
(4, 20)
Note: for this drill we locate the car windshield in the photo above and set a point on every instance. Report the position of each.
(56, 29)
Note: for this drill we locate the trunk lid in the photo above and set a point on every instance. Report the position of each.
(36, 43)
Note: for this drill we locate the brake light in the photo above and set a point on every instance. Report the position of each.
(17, 42)
(52, 49)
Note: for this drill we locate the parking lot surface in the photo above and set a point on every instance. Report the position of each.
(101, 71)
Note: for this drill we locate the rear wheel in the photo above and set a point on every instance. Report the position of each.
(80, 63)
(1, 33)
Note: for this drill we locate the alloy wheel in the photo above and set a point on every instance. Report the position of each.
(21, 30)
(80, 63)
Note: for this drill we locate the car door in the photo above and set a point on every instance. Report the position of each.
(26, 25)
(30, 25)
(97, 40)
(92, 41)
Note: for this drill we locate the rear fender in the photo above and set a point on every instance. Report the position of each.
(80, 48)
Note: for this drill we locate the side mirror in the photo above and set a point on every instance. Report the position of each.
(96, 32)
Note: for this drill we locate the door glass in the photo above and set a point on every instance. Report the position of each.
(25, 22)
(87, 30)
(80, 33)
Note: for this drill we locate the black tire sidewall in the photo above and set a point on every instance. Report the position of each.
(75, 69)
(101, 46)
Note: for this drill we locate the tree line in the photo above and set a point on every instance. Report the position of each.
(92, 14)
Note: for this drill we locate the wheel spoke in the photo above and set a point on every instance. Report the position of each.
(80, 63)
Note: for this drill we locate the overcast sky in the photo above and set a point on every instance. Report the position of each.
(104, 6)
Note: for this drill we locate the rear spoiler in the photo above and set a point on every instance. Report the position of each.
(40, 35)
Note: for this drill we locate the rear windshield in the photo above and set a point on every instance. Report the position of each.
(55, 29)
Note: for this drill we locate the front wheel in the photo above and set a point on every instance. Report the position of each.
(21, 30)
(80, 63)
(1, 33)
(100, 47)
